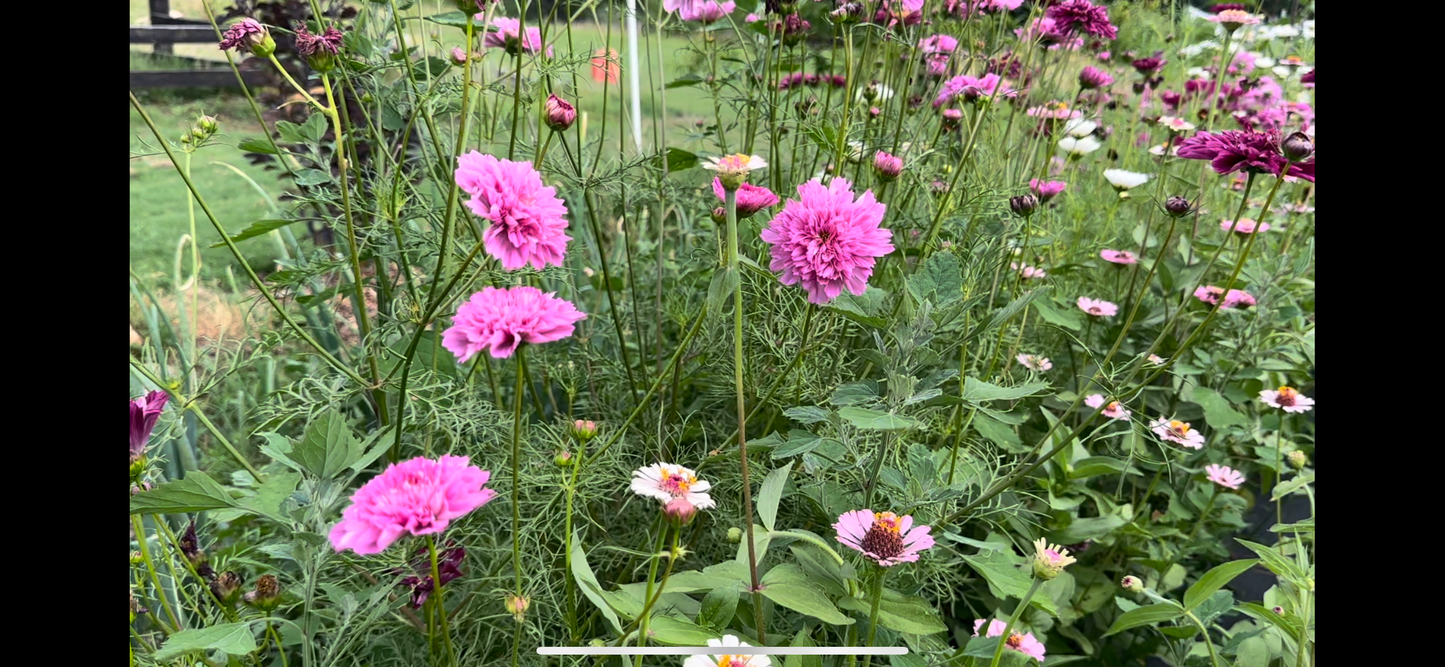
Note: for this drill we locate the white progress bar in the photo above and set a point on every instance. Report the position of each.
(718, 650)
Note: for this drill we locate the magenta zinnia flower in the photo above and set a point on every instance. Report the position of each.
(1026, 643)
(420, 496)
(144, 412)
(1076, 16)
(751, 198)
(1224, 476)
(1233, 150)
(828, 241)
(527, 218)
(1118, 256)
(1047, 190)
(886, 538)
(508, 39)
(1097, 307)
(499, 320)
(1093, 77)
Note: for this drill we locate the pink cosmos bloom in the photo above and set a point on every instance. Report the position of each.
(665, 482)
(1118, 256)
(1208, 293)
(498, 320)
(144, 412)
(1287, 398)
(1055, 110)
(702, 11)
(1035, 363)
(1097, 307)
(506, 36)
(752, 18)
(885, 537)
(1177, 431)
(1245, 226)
(1114, 410)
(527, 218)
(937, 64)
(1026, 643)
(1082, 16)
(1047, 190)
(828, 241)
(751, 198)
(971, 88)
(1224, 476)
(420, 496)
(1233, 150)
(1093, 77)
(1236, 298)
(938, 44)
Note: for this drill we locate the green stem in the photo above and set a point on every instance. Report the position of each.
(441, 609)
(873, 612)
(644, 618)
(240, 258)
(1008, 627)
(516, 473)
(281, 650)
(732, 220)
(196, 410)
(145, 554)
(1208, 643)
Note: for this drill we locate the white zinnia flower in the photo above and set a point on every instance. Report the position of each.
(1080, 127)
(727, 660)
(1124, 180)
(665, 482)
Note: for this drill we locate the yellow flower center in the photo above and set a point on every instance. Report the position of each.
(677, 483)
(1179, 428)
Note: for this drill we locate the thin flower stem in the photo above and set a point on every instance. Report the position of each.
(1008, 627)
(241, 259)
(281, 650)
(441, 609)
(797, 357)
(145, 554)
(1279, 467)
(516, 494)
(569, 583)
(1208, 643)
(873, 612)
(644, 618)
(732, 220)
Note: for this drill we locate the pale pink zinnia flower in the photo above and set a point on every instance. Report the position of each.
(666, 482)
(498, 320)
(1118, 256)
(751, 198)
(885, 537)
(1287, 398)
(1035, 363)
(1055, 110)
(1097, 307)
(1233, 19)
(1245, 226)
(1026, 643)
(1224, 476)
(1113, 411)
(527, 218)
(727, 660)
(1177, 431)
(420, 496)
(827, 240)
(1236, 298)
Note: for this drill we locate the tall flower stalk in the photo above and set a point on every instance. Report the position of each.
(731, 203)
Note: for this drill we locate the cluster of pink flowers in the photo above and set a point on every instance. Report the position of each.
(1054, 110)
(800, 79)
(1028, 272)
(972, 88)
(885, 538)
(421, 497)
(498, 320)
(827, 240)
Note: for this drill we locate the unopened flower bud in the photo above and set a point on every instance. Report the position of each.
(1278, 610)
(517, 606)
(875, 112)
(1297, 459)
(1177, 206)
(1132, 584)
(719, 215)
(562, 459)
(1023, 205)
(1297, 147)
(583, 431)
(848, 13)
(136, 558)
(886, 166)
(560, 114)
(952, 119)
(208, 124)
(735, 535)
(266, 595)
(679, 511)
